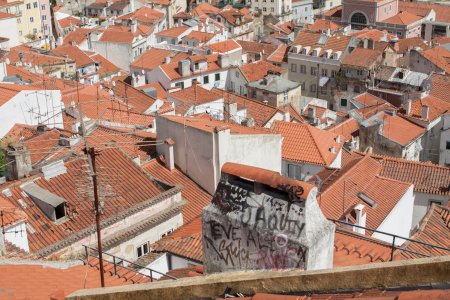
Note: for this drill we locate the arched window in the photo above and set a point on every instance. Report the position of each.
(358, 20)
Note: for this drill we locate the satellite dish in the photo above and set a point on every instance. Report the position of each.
(7, 61)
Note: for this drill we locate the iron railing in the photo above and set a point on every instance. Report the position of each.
(393, 236)
(119, 262)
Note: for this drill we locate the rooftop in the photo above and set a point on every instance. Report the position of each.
(274, 84)
(403, 18)
(194, 95)
(307, 144)
(224, 46)
(363, 58)
(258, 70)
(439, 56)
(437, 108)
(173, 32)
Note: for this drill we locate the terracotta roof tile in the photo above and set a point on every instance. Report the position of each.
(171, 69)
(396, 128)
(209, 125)
(161, 93)
(200, 36)
(106, 67)
(367, 100)
(340, 191)
(311, 39)
(254, 47)
(69, 22)
(374, 34)
(151, 59)
(189, 97)
(25, 281)
(403, 18)
(323, 24)
(258, 70)
(144, 14)
(224, 46)
(137, 100)
(440, 85)
(439, 56)
(404, 45)
(77, 36)
(131, 187)
(307, 144)
(204, 9)
(423, 8)
(73, 52)
(433, 229)
(363, 58)
(173, 32)
(437, 108)
(280, 55)
(348, 129)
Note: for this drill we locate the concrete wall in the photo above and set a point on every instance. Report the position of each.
(299, 171)
(32, 107)
(399, 220)
(246, 230)
(303, 12)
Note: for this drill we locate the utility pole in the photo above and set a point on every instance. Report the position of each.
(91, 152)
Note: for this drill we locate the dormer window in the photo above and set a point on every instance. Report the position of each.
(53, 206)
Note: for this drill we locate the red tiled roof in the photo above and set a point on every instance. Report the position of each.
(427, 177)
(404, 45)
(307, 144)
(260, 112)
(4, 15)
(368, 99)
(194, 95)
(279, 55)
(437, 108)
(433, 229)
(173, 32)
(10, 214)
(311, 39)
(200, 36)
(351, 249)
(42, 282)
(129, 184)
(106, 67)
(78, 35)
(403, 18)
(340, 191)
(439, 56)
(189, 246)
(151, 59)
(374, 34)
(440, 85)
(258, 70)
(10, 90)
(161, 93)
(204, 9)
(209, 125)
(73, 52)
(256, 48)
(224, 46)
(363, 58)
(197, 198)
(323, 24)
(423, 8)
(172, 72)
(143, 14)
(68, 22)
(137, 100)
(348, 129)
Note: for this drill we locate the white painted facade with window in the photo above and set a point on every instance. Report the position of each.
(303, 11)
(281, 9)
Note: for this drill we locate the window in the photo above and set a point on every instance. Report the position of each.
(323, 90)
(35, 4)
(293, 68)
(324, 72)
(295, 172)
(313, 71)
(358, 20)
(343, 102)
(313, 88)
(20, 32)
(166, 233)
(264, 9)
(237, 74)
(343, 86)
(333, 73)
(28, 5)
(34, 30)
(447, 145)
(31, 19)
(180, 84)
(272, 9)
(43, 6)
(217, 77)
(142, 250)
(19, 20)
(303, 86)
(196, 66)
(303, 69)
(359, 72)
(44, 17)
(205, 79)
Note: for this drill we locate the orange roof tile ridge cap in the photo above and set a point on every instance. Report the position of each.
(270, 178)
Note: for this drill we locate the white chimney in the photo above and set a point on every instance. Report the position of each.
(425, 112)
(132, 6)
(338, 139)
(133, 26)
(333, 150)
(168, 154)
(361, 218)
(287, 116)
(167, 60)
(408, 107)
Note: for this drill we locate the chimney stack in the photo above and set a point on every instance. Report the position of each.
(19, 161)
(408, 107)
(425, 112)
(133, 26)
(168, 154)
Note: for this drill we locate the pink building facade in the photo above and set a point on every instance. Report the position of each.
(363, 13)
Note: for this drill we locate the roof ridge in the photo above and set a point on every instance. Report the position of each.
(321, 151)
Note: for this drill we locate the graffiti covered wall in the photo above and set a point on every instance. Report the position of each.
(250, 226)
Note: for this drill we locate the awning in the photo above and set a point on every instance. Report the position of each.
(323, 81)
